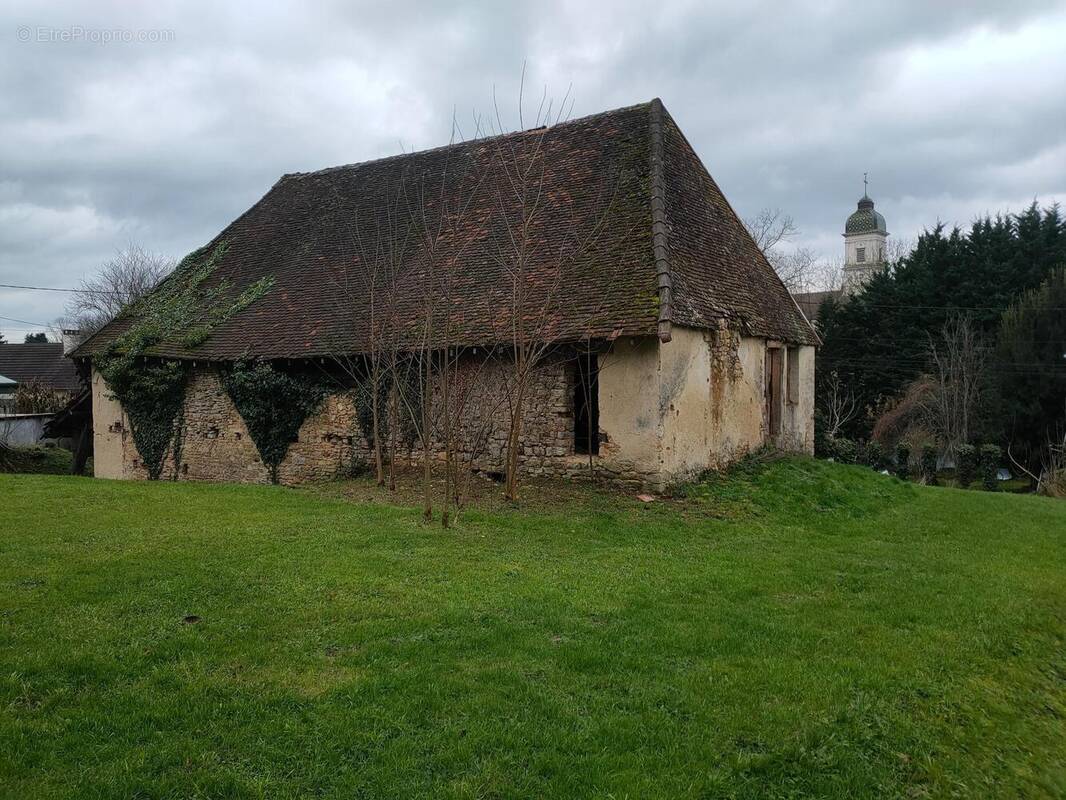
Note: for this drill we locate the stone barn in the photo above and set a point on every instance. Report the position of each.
(662, 341)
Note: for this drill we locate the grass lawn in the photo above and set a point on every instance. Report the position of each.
(799, 629)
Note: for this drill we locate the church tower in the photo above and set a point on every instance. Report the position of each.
(864, 244)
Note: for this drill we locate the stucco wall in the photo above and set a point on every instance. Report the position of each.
(630, 422)
(738, 409)
(109, 429)
(797, 429)
(712, 401)
(684, 401)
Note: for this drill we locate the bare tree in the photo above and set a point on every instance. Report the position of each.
(367, 293)
(958, 360)
(896, 249)
(37, 397)
(129, 276)
(770, 227)
(800, 268)
(839, 405)
(440, 214)
(1050, 478)
(534, 271)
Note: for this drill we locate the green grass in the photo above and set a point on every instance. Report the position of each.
(798, 629)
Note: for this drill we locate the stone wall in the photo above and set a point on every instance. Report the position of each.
(216, 444)
(667, 412)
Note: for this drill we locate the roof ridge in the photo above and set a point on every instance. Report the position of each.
(659, 239)
(467, 142)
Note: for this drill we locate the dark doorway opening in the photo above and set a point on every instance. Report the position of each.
(587, 405)
(773, 390)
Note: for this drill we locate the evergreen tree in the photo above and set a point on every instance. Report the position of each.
(35, 338)
(877, 340)
(1031, 369)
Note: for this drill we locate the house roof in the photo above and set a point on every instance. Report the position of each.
(627, 235)
(42, 362)
(810, 302)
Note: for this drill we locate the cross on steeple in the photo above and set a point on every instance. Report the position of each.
(865, 185)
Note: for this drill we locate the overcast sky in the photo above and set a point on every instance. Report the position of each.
(954, 108)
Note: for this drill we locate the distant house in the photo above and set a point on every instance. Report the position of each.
(7, 394)
(702, 353)
(51, 381)
(40, 363)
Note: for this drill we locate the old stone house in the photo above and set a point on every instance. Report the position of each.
(694, 352)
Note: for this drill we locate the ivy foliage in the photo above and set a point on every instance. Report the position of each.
(151, 391)
(152, 396)
(273, 404)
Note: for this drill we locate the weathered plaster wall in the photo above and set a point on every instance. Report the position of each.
(738, 422)
(797, 430)
(109, 428)
(630, 422)
(684, 402)
(672, 410)
(712, 401)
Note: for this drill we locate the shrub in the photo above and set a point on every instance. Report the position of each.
(823, 445)
(927, 464)
(903, 461)
(989, 462)
(845, 450)
(966, 464)
(876, 457)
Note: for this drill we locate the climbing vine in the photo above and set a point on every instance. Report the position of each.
(152, 391)
(152, 396)
(273, 404)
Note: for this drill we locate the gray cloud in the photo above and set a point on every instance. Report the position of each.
(954, 108)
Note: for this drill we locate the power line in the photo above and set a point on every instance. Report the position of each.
(26, 322)
(56, 289)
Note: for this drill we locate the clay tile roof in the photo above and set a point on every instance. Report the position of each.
(46, 363)
(811, 302)
(630, 235)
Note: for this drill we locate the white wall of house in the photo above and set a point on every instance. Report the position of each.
(698, 401)
(22, 430)
(629, 409)
(109, 422)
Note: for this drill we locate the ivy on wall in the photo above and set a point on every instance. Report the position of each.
(273, 404)
(152, 396)
(152, 391)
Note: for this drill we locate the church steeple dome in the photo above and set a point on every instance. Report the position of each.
(865, 233)
(864, 219)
